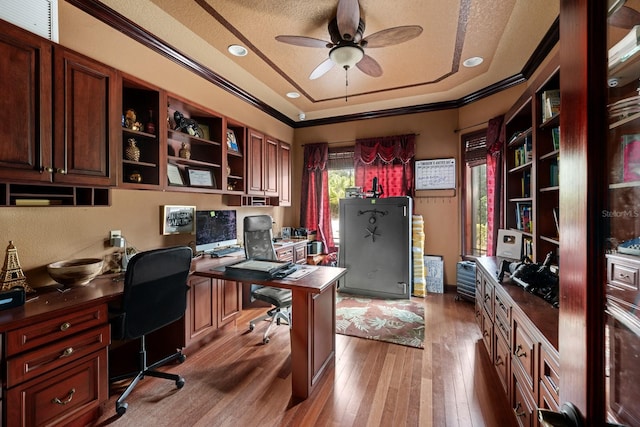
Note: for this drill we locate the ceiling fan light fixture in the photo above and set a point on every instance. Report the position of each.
(474, 61)
(237, 50)
(346, 56)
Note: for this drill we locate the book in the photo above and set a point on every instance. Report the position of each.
(631, 157)
(555, 136)
(556, 219)
(550, 103)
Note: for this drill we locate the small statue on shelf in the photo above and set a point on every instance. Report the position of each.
(12, 274)
(187, 125)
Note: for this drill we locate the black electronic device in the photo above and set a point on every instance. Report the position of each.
(13, 297)
(215, 229)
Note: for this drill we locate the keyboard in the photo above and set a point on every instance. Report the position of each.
(217, 253)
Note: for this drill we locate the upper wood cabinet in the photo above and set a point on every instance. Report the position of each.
(86, 132)
(262, 165)
(74, 142)
(26, 87)
(284, 174)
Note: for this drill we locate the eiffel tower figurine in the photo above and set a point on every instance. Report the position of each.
(12, 274)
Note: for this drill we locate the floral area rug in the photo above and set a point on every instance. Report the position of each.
(398, 321)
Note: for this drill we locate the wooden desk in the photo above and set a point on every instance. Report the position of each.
(313, 342)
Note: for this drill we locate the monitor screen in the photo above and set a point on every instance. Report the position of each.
(215, 228)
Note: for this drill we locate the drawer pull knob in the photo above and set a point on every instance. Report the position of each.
(518, 352)
(499, 361)
(624, 276)
(65, 326)
(66, 400)
(517, 408)
(67, 352)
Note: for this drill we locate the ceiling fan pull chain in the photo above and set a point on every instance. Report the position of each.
(346, 84)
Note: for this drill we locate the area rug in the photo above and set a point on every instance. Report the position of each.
(398, 321)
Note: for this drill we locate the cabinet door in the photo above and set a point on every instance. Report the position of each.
(284, 174)
(229, 301)
(202, 308)
(255, 152)
(270, 167)
(86, 120)
(25, 67)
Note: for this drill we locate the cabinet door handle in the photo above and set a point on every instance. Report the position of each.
(66, 400)
(67, 352)
(517, 408)
(499, 361)
(61, 171)
(65, 326)
(517, 352)
(46, 169)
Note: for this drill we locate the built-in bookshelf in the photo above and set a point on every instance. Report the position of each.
(532, 165)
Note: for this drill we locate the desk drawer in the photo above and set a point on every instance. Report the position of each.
(285, 254)
(60, 397)
(31, 364)
(55, 329)
(523, 351)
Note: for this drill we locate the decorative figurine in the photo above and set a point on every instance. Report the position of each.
(12, 274)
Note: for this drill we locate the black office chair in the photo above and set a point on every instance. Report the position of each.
(155, 295)
(258, 244)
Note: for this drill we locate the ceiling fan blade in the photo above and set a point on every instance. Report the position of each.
(369, 66)
(625, 17)
(348, 17)
(303, 41)
(392, 36)
(321, 69)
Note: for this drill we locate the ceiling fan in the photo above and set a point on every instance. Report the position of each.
(348, 44)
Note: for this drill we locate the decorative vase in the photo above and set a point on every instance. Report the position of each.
(184, 152)
(151, 127)
(132, 152)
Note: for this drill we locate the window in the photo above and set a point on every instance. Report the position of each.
(474, 188)
(341, 176)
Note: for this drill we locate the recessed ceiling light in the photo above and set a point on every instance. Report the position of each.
(293, 95)
(473, 62)
(237, 50)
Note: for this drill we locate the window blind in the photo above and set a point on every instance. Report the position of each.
(475, 147)
(38, 16)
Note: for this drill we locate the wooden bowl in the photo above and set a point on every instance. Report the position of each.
(75, 272)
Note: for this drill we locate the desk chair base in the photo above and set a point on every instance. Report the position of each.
(121, 405)
(277, 315)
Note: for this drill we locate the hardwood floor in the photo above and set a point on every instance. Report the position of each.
(237, 381)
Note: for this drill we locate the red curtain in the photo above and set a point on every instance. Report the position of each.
(495, 142)
(390, 159)
(314, 206)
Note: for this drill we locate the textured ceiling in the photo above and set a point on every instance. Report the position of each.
(425, 70)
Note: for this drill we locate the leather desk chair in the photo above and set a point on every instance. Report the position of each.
(258, 244)
(154, 295)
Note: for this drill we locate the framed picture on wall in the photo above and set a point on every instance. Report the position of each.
(178, 219)
(174, 175)
(201, 178)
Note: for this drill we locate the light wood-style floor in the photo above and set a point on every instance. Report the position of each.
(237, 381)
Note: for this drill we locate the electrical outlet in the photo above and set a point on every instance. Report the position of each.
(115, 233)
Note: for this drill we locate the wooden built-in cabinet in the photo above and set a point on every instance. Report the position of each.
(520, 334)
(141, 152)
(56, 368)
(45, 84)
(235, 158)
(211, 304)
(284, 174)
(262, 165)
(532, 161)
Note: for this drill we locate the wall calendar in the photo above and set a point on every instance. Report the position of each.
(435, 174)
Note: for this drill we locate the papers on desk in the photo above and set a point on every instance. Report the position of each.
(302, 271)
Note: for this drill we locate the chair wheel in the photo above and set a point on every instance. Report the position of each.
(265, 340)
(180, 382)
(252, 326)
(182, 358)
(121, 408)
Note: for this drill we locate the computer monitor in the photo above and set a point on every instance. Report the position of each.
(215, 229)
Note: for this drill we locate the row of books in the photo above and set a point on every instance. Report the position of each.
(527, 247)
(555, 137)
(524, 217)
(525, 182)
(554, 174)
(524, 153)
(550, 104)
